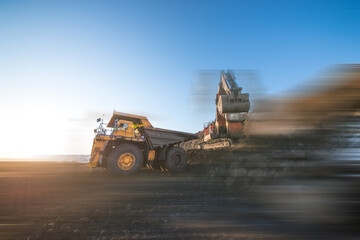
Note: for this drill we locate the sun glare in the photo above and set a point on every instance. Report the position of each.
(33, 131)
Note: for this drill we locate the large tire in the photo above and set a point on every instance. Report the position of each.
(176, 159)
(125, 159)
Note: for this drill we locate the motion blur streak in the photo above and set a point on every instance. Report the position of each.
(317, 127)
(329, 99)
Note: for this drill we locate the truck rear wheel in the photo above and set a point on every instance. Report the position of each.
(176, 159)
(125, 159)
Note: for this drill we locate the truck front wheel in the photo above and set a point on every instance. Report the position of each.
(125, 159)
(176, 159)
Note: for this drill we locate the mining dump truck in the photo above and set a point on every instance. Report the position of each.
(129, 142)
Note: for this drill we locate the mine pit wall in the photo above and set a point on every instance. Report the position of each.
(238, 169)
(262, 159)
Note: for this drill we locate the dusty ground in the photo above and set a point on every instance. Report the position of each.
(45, 200)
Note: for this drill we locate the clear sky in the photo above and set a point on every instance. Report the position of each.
(65, 63)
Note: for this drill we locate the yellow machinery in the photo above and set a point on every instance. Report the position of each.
(130, 141)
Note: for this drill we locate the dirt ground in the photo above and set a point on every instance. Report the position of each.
(57, 200)
(44, 200)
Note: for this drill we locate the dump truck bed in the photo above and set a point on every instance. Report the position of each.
(161, 137)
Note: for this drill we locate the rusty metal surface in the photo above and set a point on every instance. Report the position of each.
(234, 129)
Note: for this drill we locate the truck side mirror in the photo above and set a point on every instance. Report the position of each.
(98, 120)
(95, 130)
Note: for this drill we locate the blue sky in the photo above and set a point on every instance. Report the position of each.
(63, 63)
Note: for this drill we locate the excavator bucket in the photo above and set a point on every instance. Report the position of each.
(233, 104)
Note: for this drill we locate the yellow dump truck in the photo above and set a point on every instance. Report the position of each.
(128, 142)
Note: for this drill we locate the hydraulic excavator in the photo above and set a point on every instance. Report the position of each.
(232, 107)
